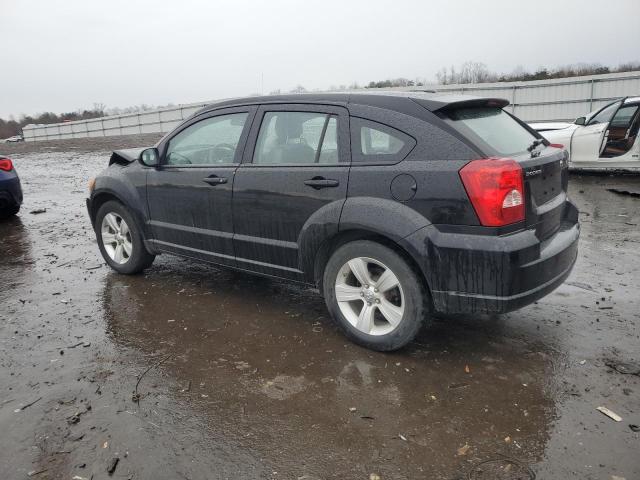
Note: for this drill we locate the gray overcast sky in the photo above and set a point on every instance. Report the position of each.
(63, 55)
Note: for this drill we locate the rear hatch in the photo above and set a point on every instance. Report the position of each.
(497, 134)
(545, 184)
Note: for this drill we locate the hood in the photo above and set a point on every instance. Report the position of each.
(126, 156)
(546, 126)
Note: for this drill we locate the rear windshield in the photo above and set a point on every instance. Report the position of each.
(494, 127)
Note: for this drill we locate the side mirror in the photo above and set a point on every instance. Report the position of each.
(580, 121)
(149, 157)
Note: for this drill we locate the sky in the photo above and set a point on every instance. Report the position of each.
(64, 55)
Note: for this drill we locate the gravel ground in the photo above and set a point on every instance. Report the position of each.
(189, 371)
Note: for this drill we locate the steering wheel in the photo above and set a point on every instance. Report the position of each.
(222, 153)
(180, 160)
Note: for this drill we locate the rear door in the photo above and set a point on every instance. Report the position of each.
(588, 141)
(293, 178)
(189, 195)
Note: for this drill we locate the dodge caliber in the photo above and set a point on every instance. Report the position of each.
(396, 206)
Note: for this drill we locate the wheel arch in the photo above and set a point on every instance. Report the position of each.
(100, 198)
(104, 195)
(343, 237)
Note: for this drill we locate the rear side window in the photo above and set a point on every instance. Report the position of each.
(375, 142)
(297, 137)
(494, 127)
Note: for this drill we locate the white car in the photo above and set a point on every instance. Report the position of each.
(606, 139)
(15, 138)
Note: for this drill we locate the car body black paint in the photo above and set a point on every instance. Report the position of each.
(270, 222)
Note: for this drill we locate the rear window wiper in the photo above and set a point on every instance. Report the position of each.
(534, 145)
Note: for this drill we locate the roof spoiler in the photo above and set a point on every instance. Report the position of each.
(460, 101)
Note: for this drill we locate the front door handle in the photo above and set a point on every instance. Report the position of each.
(321, 182)
(214, 180)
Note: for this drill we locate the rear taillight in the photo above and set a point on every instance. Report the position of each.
(496, 190)
(556, 145)
(6, 165)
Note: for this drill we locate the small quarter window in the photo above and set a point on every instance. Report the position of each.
(208, 142)
(375, 142)
(297, 137)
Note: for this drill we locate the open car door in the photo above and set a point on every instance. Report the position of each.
(588, 141)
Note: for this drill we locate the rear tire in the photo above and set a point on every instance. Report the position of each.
(377, 298)
(9, 211)
(120, 239)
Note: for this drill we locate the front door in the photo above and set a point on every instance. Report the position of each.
(589, 140)
(622, 147)
(293, 178)
(189, 195)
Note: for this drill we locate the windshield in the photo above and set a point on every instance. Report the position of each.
(494, 127)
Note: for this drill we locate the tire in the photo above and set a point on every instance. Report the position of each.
(124, 251)
(360, 313)
(9, 212)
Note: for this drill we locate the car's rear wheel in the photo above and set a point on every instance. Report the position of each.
(375, 295)
(120, 239)
(9, 211)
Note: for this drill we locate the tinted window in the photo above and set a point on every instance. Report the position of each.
(623, 117)
(605, 114)
(494, 127)
(375, 142)
(208, 142)
(297, 137)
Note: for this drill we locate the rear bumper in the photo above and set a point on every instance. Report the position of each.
(496, 274)
(10, 192)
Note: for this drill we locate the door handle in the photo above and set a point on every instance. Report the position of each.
(214, 180)
(321, 182)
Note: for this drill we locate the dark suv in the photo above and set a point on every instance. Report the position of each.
(395, 206)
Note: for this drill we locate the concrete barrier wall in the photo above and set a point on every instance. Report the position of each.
(541, 100)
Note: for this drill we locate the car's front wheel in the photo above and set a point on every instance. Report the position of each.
(120, 239)
(375, 295)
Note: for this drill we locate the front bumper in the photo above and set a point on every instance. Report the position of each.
(496, 274)
(10, 192)
(90, 211)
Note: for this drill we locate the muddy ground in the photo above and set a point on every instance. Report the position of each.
(240, 377)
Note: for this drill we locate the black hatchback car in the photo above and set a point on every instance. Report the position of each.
(396, 206)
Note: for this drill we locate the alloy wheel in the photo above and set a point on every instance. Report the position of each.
(116, 238)
(370, 296)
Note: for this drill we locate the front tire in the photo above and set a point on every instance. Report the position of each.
(375, 295)
(120, 240)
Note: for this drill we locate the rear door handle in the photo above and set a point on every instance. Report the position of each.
(321, 182)
(214, 180)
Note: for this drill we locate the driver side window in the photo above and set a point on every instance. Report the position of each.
(605, 114)
(209, 142)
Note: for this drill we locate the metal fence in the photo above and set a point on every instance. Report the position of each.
(555, 100)
(540, 100)
(152, 121)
